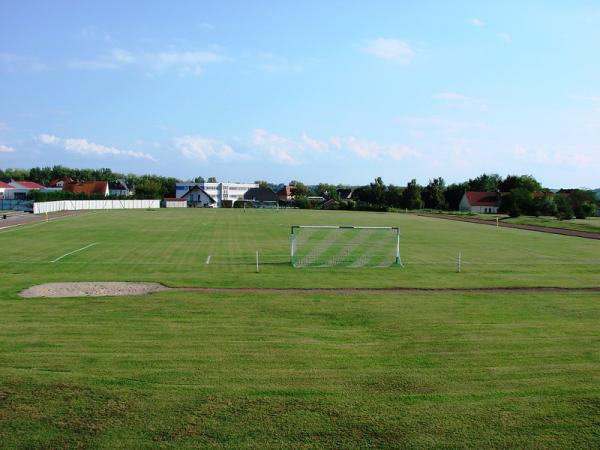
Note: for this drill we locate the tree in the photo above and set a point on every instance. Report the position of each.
(564, 210)
(527, 182)
(263, 184)
(454, 194)
(300, 190)
(411, 196)
(199, 180)
(212, 180)
(518, 201)
(485, 183)
(433, 194)
(327, 190)
(378, 190)
(393, 196)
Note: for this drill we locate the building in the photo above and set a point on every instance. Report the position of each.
(91, 188)
(121, 188)
(197, 197)
(261, 197)
(480, 202)
(224, 194)
(60, 182)
(175, 202)
(20, 189)
(5, 190)
(345, 193)
(286, 193)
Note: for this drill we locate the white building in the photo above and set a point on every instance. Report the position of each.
(480, 202)
(221, 192)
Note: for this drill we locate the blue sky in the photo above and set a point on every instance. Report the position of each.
(317, 91)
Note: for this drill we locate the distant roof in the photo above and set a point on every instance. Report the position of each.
(198, 188)
(287, 190)
(55, 181)
(260, 194)
(4, 185)
(28, 184)
(86, 187)
(121, 185)
(344, 193)
(482, 198)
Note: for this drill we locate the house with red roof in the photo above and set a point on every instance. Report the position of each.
(60, 182)
(95, 188)
(5, 190)
(20, 189)
(480, 202)
(286, 193)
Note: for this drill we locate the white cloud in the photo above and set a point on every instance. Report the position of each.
(185, 63)
(390, 49)
(6, 149)
(314, 144)
(477, 22)
(14, 63)
(84, 147)
(198, 147)
(504, 36)
(573, 157)
(291, 151)
(48, 139)
(280, 148)
(371, 149)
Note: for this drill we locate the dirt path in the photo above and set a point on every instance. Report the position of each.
(104, 289)
(562, 231)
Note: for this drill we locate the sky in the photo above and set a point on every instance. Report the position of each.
(336, 91)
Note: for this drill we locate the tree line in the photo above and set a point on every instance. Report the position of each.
(146, 186)
(520, 194)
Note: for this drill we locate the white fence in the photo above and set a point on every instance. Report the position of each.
(76, 205)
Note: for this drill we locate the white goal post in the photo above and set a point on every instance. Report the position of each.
(351, 246)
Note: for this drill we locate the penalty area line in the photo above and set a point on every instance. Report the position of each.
(74, 251)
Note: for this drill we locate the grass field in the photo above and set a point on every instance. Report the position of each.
(289, 369)
(591, 224)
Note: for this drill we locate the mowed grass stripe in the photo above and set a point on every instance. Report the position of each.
(252, 370)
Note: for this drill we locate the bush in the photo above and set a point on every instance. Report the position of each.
(514, 212)
(302, 202)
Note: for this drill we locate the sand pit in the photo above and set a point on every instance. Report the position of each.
(92, 289)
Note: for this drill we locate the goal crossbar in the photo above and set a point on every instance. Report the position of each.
(295, 228)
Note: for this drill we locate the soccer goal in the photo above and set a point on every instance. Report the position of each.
(327, 246)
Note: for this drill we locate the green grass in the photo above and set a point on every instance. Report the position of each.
(591, 224)
(296, 370)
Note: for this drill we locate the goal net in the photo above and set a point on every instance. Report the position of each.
(327, 246)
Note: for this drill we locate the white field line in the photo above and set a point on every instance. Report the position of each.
(74, 251)
(208, 260)
(21, 226)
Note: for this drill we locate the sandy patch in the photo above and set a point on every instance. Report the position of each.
(91, 289)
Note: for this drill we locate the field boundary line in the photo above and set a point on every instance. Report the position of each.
(518, 226)
(20, 226)
(515, 289)
(208, 260)
(74, 251)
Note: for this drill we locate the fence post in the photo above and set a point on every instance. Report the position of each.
(459, 261)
